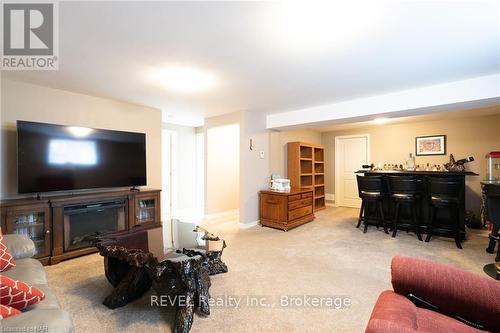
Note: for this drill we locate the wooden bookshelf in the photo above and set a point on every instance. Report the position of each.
(306, 169)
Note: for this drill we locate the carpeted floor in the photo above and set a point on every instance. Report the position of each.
(328, 258)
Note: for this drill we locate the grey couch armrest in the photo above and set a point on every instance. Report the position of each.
(19, 246)
(47, 320)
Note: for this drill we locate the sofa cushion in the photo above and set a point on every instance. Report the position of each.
(51, 320)
(18, 294)
(50, 301)
(8, 311)
(394, 313)
(19, 246)
(28, 270)
(6, 259)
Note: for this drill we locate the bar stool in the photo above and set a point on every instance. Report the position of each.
(404, 192)
(444, 193)
(371, 190)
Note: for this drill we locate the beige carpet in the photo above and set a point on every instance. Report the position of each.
(328, 257)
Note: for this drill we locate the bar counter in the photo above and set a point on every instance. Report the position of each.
(419, 173)
(424, 203)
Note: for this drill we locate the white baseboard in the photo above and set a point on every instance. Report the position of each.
(227, 213)
(249, 224)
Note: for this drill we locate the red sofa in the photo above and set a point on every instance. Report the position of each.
(453, 291)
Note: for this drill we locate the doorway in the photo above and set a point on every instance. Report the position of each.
(168, 139)
(351, 152)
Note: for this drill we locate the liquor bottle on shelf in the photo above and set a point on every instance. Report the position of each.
(410, 163)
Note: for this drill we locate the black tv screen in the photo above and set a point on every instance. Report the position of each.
(57, 158)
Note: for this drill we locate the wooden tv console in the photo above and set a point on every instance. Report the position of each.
(44, 220)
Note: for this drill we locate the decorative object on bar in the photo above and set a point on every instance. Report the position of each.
(404, 191)
(430, 145)
(445, 193)
(493, 166)
(457, 166)
(410, 163)
(368, 166)
(371, 190)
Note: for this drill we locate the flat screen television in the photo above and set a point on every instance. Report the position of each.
(57, 158)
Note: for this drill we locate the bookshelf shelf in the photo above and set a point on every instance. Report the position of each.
(306, 168)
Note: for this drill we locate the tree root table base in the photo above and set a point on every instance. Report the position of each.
(182, 278)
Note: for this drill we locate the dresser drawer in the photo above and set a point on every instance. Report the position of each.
(299, 212)
(299, 203)
(273, 207)
(307, 195)
(294, 197)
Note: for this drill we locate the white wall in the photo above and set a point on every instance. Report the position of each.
(254, 168)
(223, 168)
(22, 101)
(278, 147)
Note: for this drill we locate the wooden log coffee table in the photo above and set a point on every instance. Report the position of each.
(135, 261)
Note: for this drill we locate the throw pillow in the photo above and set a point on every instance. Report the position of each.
(18, 294)
(7, 311)
(6, 259)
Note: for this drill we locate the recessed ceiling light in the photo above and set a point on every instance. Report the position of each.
(381, 121)
(186, 79)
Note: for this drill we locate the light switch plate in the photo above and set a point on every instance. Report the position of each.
(262, 154)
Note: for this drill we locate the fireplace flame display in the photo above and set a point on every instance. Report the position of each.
(84, 223)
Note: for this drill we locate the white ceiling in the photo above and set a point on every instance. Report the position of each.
(270, 57)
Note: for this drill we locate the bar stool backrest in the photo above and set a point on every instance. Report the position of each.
(370, 184)
(403, 184)
(449, 187)
(493, 203)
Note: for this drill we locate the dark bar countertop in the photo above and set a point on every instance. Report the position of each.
(405, 172)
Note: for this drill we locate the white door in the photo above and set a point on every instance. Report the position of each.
(167, 194)
(351, 152)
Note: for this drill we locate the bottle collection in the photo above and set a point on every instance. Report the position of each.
(417, 167)
(410, 165)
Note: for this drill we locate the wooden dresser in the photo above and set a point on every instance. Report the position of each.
(286, 210)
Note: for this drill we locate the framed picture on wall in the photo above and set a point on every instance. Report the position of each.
(430, 145)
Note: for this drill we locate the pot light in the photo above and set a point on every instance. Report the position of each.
(381, 121)
(79, 132)
(186, 79)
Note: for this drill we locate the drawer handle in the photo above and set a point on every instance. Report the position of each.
(272, 201)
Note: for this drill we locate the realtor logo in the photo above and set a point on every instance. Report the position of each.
(29, 36)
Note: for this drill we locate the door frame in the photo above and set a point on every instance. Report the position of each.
(170, 173)
(337, 159)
